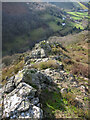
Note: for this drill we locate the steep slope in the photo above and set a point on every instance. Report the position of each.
(67, 5)
(77, 47)
(24, 24)
(45, 87)
(71, 5)
(83, 6)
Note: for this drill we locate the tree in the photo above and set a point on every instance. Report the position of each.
(58, 23)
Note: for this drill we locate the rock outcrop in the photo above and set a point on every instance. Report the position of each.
(20, 96)
(21, 102)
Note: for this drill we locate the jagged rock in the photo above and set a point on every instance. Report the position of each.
(78, 102)
(83, 88)
(24, 105)
(33, 112)
(45, 59)
(14, 100)
(47, 71)
(36, 53)
(28, 62)
(42, 53)
(35, 77)
(10, 104)
(10, 85)
(21, 100)
(64, 90)
(26, 58)
(26, 90)
(64, 85)
(18, 78)
(38, 105)
(45, 45)
(35, 101)
(36, 112)
(40, 50)
(8, 88)
(1, 99)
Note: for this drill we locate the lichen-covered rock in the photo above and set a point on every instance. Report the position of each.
(26, 58)
(10, 85)
(18, 78)
(24, 105)
(1, 100)
(42, 53)
(22, 92)
(17, 99)
(78, 102)
(41, 50)
(35, 77)
(36, 53)
(36, 112)
(35, 101)
(64, 90)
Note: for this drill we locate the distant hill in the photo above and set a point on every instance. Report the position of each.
(67, 5)
(71, 5)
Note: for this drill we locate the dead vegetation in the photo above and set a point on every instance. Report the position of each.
(44, 65)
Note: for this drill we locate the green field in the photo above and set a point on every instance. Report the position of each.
(78, 14)
(76, 18)
(84, 14)
(73, 13)
(79, 26)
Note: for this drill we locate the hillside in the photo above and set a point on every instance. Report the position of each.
(25, 24)
(49, 81)
(67, 5)
(72, 5)
(45, 64)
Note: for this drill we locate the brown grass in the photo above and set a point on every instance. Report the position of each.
(80, 69)
(67, 61)
(9, 71)
(44, 65)
(56, 50)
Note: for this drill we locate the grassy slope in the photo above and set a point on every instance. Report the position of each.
(77, 47)
(78, 44)
(46, 27)
(82, 5)
(54, 104)
(67, 5)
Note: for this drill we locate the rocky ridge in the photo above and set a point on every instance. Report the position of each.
(21, 96)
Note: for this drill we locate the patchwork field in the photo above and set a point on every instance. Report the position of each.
(79, 14)
(77, 19)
